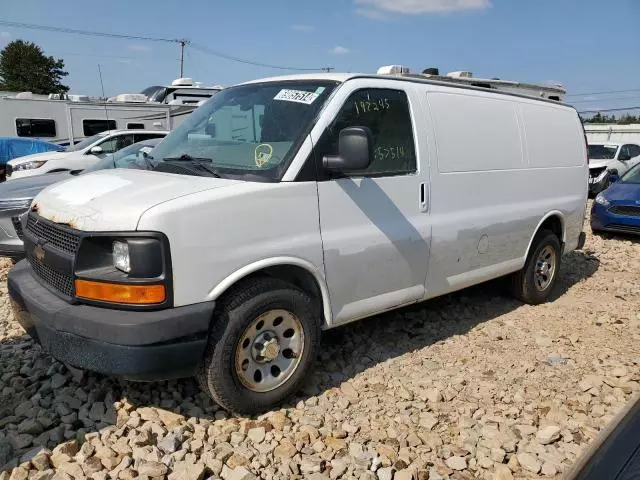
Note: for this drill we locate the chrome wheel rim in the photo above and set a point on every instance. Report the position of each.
(269, 351)
(545, 268)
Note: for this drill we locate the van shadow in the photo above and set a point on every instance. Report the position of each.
(42, 404)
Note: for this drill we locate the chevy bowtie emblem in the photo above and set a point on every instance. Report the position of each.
(39, 253)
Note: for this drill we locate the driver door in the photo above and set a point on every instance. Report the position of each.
(374, 223)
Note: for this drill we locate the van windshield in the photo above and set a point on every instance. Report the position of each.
(632, 176)
(602, 152)
(248, 132)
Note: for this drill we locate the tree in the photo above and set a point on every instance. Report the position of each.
(25, 68)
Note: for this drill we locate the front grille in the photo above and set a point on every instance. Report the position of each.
(54, 234)
(628, 210)
(59, 281)
(17, 225)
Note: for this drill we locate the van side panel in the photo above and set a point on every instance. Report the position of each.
(486, 199)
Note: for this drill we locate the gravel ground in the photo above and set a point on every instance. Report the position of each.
(472, 385)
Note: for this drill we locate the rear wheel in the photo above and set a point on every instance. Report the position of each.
(534, 283)
(262, 346)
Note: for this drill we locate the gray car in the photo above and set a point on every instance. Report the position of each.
(16, 196)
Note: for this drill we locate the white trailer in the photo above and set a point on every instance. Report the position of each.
(66, 119)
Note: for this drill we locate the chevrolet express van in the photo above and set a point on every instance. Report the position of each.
(287, 206)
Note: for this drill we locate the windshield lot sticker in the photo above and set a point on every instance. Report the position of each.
(263, 154)
(297, 96)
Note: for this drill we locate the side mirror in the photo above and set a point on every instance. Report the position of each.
(97, 150)
(355, 149)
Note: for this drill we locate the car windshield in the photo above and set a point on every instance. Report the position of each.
(129, 157)
(86, 142)
(249, 132)
(632, 176)
(602, 152)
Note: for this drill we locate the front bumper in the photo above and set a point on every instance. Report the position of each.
(603, 220)
(137, 345)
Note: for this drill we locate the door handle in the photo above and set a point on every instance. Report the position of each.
(424, 198)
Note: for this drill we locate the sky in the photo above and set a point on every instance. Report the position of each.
(589, 46)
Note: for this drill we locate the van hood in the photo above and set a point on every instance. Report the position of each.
(114, 200)
(39, 156)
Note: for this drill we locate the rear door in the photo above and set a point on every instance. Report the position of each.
(374, 223)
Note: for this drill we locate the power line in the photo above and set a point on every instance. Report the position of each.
(233, 58)
(48, 28)
(605, 99)
(605, 92)
(610, 110)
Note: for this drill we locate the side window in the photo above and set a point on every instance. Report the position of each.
(634, 150)
(109, 145)
(386, 113)
(35, 127)
(91, 127)
(135, 126)
(124, 141)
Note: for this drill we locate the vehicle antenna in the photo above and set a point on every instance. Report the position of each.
(183, 42)
(104, 99)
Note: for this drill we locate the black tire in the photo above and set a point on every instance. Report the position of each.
(217, 373)
(523, 285)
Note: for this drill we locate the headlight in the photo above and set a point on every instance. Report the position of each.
(29, 165)
(121, 256)
(601, 199)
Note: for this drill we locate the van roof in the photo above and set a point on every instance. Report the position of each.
(343, 77)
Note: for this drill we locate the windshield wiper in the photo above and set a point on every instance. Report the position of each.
(187, 158)
(197, 162)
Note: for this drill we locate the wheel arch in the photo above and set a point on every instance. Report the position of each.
(294, 270)
(554, 221)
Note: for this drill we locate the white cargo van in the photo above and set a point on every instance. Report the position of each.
(291, 205)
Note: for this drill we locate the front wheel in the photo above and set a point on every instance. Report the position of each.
(262, 345)
(534, 283)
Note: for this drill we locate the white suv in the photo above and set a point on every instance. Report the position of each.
(79, 156)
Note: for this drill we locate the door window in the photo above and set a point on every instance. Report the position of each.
(116, 143)
(139, 137)
(386, 113)
(632, 150)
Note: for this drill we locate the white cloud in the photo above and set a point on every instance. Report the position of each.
(139, 48)
(5, 34)
(375, 8)
(303, 28)
(340, 50)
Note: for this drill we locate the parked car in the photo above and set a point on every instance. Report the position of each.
(617, 209)
(84, 154)
(16, 196)
(287, 206)
(14, 147)
(615, 453)
(606, 159)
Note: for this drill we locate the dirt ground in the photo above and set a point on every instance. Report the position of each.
(471, 385)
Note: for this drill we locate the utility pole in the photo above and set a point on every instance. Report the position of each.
(183, 43)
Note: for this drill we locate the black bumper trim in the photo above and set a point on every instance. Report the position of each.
(144, 345)
(15, 252)
(582, 239)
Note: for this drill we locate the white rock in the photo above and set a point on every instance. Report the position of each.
(548, 434)
(529, 462)
(257, 434)
(456, 463)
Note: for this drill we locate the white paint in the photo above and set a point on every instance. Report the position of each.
(94, 186)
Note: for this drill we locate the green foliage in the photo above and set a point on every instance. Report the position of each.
(25, 68)
(625, 119)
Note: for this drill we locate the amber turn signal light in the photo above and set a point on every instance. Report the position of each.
(119, 293)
